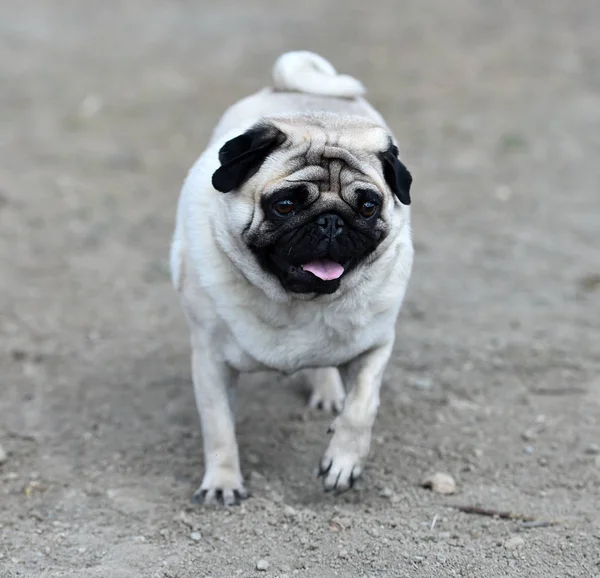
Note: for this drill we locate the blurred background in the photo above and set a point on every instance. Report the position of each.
(105, 106)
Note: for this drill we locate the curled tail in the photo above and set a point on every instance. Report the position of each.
(308, 72)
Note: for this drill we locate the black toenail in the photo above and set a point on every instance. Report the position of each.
(324, 471)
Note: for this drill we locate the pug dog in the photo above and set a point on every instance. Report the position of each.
(292, 251)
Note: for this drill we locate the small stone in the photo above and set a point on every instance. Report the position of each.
(196, 536)
(440, 483)
(528, 450)
(256, 476)
(90, 106)
(3, 455)
(503, 193)
(253, 459)
(422, 383)
(514, 542)
(186, 519)
(592, 449)
(289, 511)
(386, 493)
(276, 497)
(339, 523)
(528, 435)
(343, 554)
(262, 565)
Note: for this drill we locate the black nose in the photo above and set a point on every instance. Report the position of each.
(331, 225)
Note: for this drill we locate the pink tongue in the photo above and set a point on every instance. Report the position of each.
(324, 269)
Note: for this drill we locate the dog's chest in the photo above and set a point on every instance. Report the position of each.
(292, 338)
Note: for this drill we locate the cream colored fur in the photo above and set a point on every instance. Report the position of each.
(240, 317)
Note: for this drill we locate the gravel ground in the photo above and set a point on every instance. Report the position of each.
(495, 377)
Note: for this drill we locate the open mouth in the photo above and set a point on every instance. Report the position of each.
(324, 269)
(322, 276)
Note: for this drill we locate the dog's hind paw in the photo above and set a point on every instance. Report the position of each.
(328, 390)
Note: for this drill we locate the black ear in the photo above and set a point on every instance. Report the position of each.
(396, 174)
(242, 156)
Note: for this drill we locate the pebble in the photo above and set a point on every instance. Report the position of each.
(528, 435)
(186, 519)
(256, 476)
(343, 554)
(276, 497)
(196, 536)
(514, 542)
(340, 523)
(90, 106)
(3, 455)
(528, 450)
(591, 449)
(440, 483)
(262, 565)
(386, 493)
(289, 511)
(253, 459)
(503, 193)
(422, 383)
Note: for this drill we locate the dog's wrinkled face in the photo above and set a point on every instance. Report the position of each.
(323, 196)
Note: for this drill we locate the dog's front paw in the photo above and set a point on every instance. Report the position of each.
(339, 470)
(341, 465)
(221, 487)
(328, 390)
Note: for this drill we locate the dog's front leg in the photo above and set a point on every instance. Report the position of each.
(222, 482)
(342, 463)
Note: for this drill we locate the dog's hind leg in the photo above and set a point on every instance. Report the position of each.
(328, 391)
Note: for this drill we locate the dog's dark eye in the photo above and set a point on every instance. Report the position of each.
(284, 207)
(368, 208)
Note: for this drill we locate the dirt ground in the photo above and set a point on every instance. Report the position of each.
(496, 373)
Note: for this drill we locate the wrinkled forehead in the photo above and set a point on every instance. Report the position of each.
(337, 151)
(323, 134)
